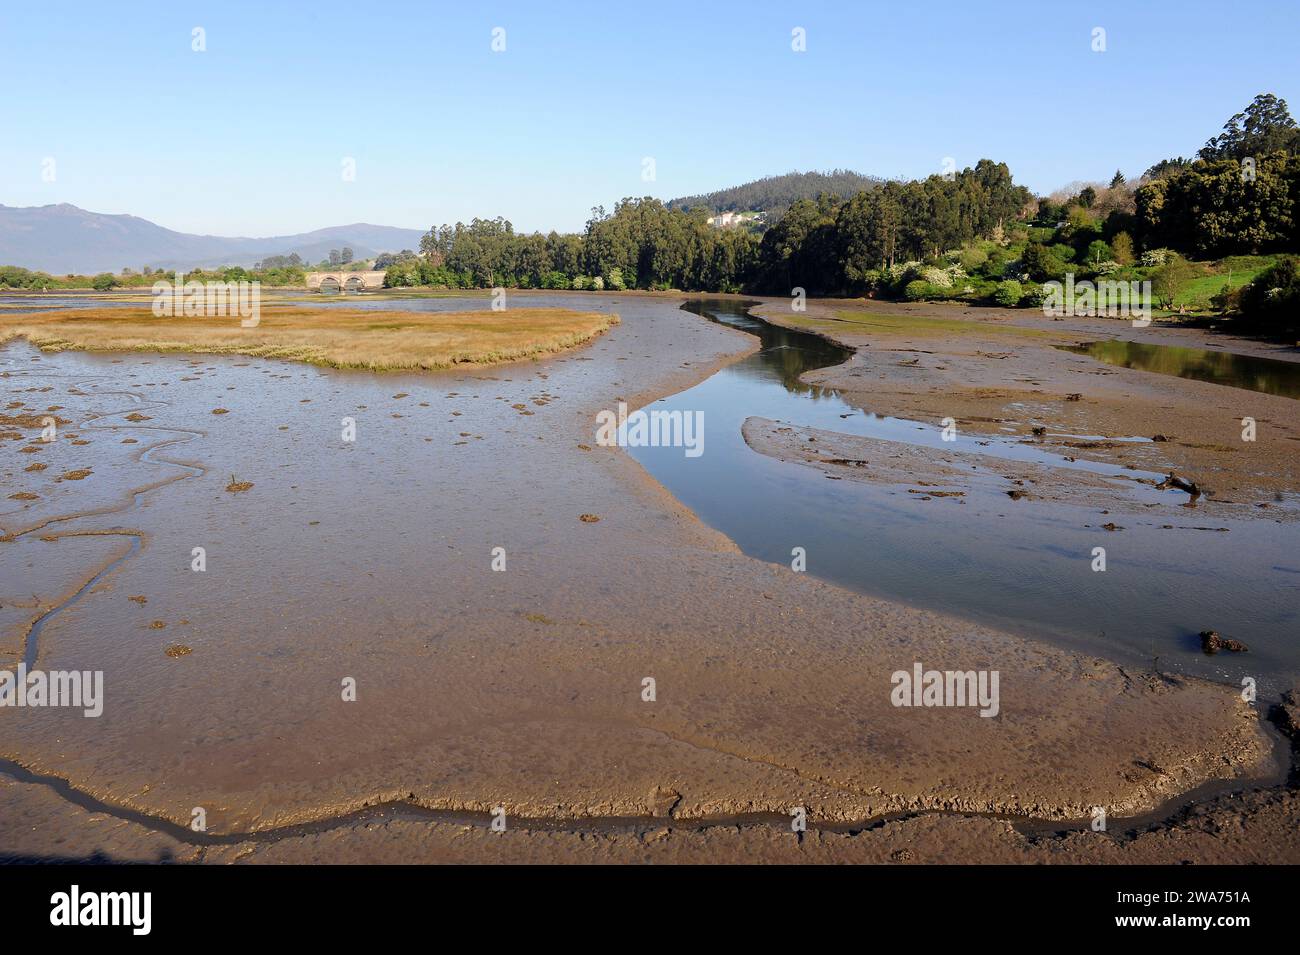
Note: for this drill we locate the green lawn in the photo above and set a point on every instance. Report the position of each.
(1235, 272)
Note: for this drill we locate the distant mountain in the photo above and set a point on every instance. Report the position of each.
(63, 238)
(777, 193)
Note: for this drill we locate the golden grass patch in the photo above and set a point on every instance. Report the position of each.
(336, 337)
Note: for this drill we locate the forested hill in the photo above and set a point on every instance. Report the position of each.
(777, 193)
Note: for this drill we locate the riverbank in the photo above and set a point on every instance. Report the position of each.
(523, 688)
(1002, 372)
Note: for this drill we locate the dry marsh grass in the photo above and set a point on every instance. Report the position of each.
(338, 338)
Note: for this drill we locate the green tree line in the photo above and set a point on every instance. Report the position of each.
(824, 246)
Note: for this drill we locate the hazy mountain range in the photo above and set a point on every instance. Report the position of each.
(63, 238)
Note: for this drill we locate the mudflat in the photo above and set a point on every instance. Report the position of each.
(1000, 371)
(370, 562)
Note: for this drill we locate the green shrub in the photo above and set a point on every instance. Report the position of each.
(1044, 263)
(995, 265)
(1122, 249)
(1032, 296)
(1008, 293)
(972, 259)
(917, 290)
(1171, 278)
(1274, 294)
(1226, 300)
(402, 275)
(1098, 252)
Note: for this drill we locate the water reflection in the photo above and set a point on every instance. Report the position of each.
(785, 354)
(1268, 375)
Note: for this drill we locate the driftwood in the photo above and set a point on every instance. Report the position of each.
(1174, 481)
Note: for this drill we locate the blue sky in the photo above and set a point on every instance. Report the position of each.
(249, 137)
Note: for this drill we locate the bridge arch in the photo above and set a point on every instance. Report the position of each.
(346, 280)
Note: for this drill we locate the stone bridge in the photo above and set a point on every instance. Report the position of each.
(345, 281)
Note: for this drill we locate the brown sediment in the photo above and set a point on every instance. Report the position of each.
(21, 636)
(1212, 642)
(96, 574)
(132, 495)
(1253, 827)
(955, 471)
(1034, 385)
(773, 688)
(31, 421)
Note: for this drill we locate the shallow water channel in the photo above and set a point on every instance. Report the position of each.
(1026, 569)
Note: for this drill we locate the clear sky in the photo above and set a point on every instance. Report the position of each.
(249, 137)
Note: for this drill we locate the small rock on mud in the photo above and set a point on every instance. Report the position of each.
(1212, 642)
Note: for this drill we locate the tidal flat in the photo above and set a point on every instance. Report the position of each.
(371, 561)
